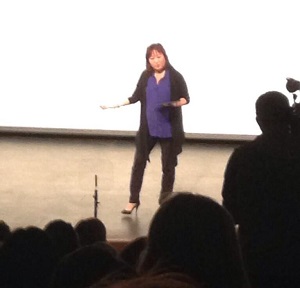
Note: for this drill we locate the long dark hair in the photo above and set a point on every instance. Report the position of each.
(159, 48)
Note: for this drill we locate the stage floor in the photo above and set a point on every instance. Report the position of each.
(44, 178)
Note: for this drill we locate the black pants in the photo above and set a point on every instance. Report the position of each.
(169, 162)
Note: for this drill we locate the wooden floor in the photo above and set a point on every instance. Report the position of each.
(45, 178)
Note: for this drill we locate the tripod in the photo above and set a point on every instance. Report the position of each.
(96, 202)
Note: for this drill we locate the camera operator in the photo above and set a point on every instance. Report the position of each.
(261, 190)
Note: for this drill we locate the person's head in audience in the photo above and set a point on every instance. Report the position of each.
(90, 230)
(26, 259)
(193, 234)
(131, 253)
(4, 232)
(63, 237)
(88, 265)
(273, 114)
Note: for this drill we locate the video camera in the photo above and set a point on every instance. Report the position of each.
(292, 86)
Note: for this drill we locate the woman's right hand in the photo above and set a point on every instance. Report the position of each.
(109, 107)
(115, 105)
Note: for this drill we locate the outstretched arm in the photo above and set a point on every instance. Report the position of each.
(126, 102)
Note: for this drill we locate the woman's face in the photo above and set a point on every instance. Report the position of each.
(157, 61)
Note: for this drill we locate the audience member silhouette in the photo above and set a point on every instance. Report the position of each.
(26, 259)
(88, 265)
(132, 252)
(166, 280)
(63, 237)
(195, 235)
(4, 232)
(90, 230)
(261, 190)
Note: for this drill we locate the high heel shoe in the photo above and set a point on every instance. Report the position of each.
(129, 211)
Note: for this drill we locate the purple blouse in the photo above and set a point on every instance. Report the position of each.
(157, 116)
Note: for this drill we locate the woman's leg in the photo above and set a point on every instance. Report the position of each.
(137, 172)
(137, 175)
(169, 163)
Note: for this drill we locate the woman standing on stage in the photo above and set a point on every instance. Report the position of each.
(161, 91)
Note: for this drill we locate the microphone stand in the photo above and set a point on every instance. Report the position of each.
(96, 202)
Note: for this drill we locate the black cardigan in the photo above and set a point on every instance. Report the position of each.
(178, 90)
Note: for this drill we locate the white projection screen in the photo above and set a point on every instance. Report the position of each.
(61, 59)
